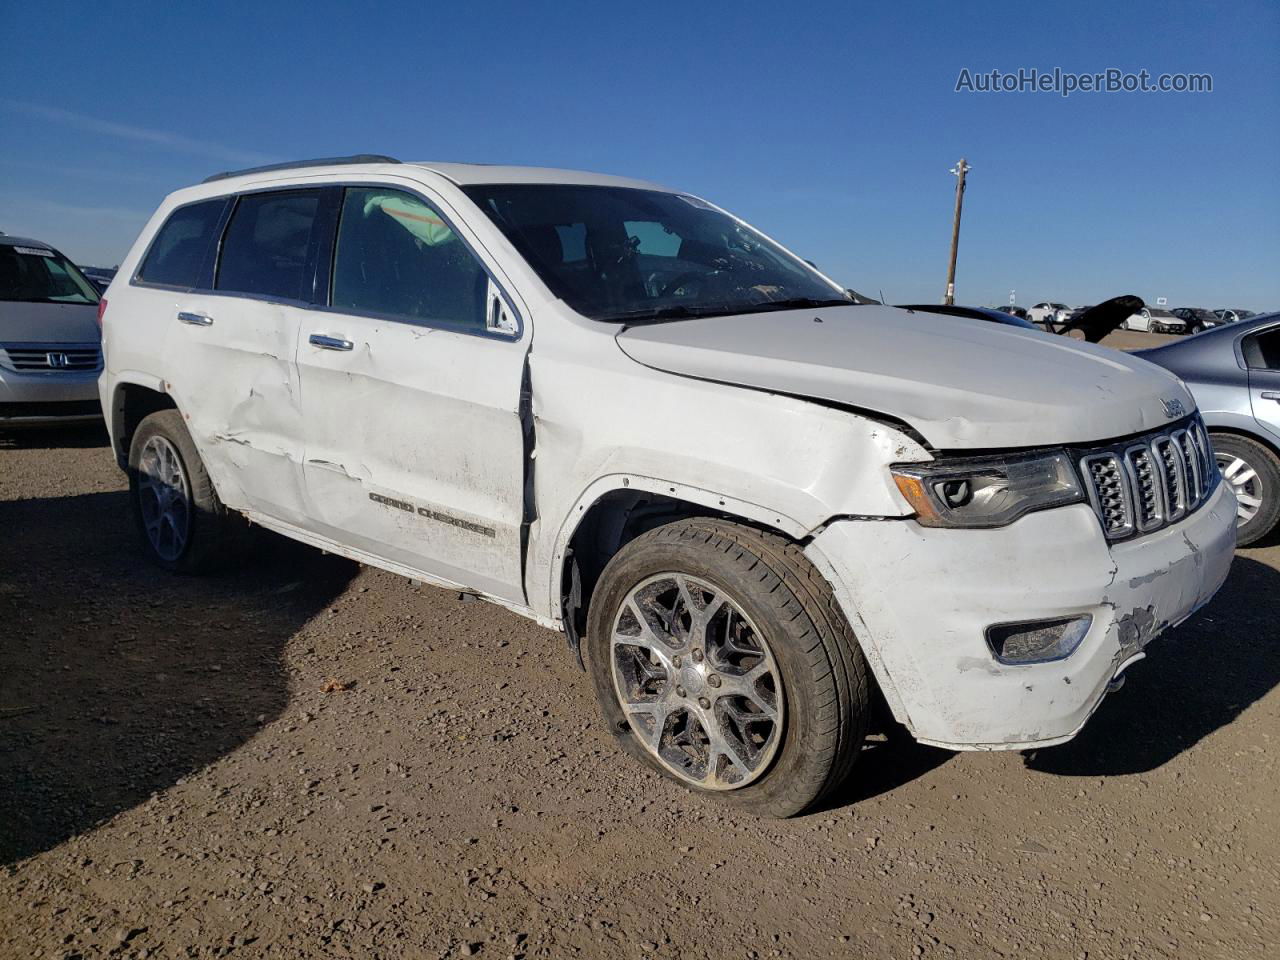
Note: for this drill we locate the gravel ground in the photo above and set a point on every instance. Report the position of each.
(310, 759)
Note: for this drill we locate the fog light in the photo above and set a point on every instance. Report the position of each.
(1037, 641)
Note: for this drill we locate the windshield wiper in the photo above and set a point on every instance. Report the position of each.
(795, 303)
(679, 312)
(631, 318)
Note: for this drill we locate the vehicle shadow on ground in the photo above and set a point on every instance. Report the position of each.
(883, 766)
(118, 679)
(1196, 679)
(30, 438)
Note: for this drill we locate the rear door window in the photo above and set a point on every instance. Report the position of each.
(178, 253)
(268, 248)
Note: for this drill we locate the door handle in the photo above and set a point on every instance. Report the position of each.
(195, 319)
(1270, 395)
(329, 343)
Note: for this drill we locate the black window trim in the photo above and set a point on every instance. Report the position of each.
(204, 277)
(318, 227)
(1242, 355)
(324, 248)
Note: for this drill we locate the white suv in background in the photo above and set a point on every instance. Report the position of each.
(754, 506)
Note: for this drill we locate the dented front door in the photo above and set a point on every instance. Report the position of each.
(414, 446)
(411, 386)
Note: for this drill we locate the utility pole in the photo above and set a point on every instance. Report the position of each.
(958, 171)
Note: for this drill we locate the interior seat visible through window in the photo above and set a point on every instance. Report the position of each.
(397, 257)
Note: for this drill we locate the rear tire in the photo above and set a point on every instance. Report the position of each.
(1253, 473)
(786, 720)
(183, 525)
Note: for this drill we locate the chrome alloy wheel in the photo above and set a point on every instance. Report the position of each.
(164, 496)
(697, 681)
(1245, 484)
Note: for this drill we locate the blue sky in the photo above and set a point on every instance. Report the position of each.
(830, 126)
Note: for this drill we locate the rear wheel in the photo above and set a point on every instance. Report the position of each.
(721, 659)
(184, 526)
(1253, 473)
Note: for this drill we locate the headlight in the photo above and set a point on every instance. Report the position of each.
(987, 491)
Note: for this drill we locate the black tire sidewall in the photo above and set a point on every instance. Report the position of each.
(206, 514)
(1267, 466)
(799, 758)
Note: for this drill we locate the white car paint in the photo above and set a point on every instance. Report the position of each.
(1043, 312)
(1148, 318)
(412, 450)
(922, 372)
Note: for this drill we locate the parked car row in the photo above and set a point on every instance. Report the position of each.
(1180, 320)
(100, 277)
(1155, 320)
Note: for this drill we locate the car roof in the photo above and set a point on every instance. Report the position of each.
(460, 174)
(467, 174)
(24, 242)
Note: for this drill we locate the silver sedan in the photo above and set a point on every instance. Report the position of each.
(1234, 372)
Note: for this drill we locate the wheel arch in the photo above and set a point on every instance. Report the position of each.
(1236, 428)
(133, 399)
(614, 511)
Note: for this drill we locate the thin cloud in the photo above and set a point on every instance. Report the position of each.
(75, 210)
(158, 138)
(87, 173)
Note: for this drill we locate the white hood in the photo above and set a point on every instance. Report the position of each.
(961, 383)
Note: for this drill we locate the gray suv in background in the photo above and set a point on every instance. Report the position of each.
(50, 341)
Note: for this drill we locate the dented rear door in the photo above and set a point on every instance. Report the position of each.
(232, 351)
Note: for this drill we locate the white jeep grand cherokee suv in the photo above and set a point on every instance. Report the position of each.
(752, 506)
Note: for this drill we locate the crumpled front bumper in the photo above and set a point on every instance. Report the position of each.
(920, 600)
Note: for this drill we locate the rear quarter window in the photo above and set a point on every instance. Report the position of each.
(179, 251)
(268, 244)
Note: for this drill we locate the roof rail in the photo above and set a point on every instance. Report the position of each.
(295, 164)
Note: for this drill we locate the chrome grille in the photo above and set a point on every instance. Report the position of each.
(51, 357)
(1175, 485)
(1109, 493)
(1150, 482)
(1148, 494)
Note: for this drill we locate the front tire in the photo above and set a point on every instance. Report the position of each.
(183, 524)
(721, 659)
(1253, 473)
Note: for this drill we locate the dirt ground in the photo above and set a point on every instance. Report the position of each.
(305, 758)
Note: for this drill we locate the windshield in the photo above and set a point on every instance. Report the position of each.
(624, 254)
(36, 274)
(1161, 313)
